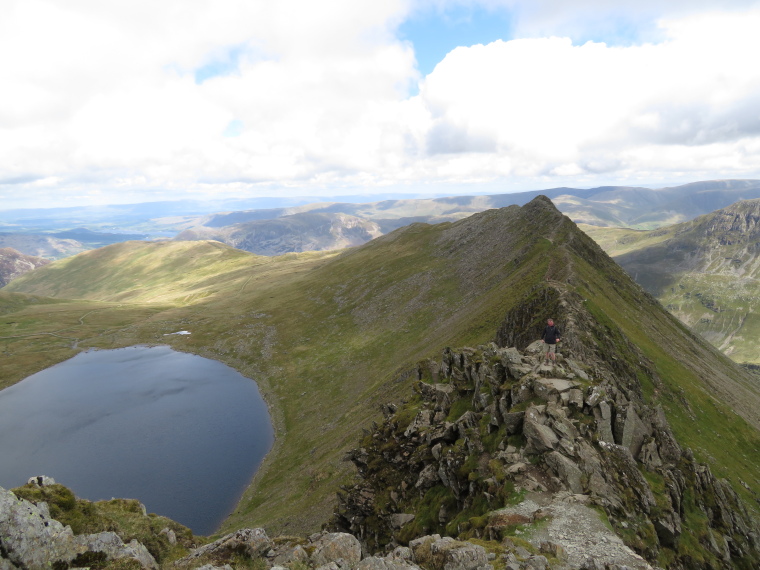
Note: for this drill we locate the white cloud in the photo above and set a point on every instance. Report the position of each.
(564, 109)
(101, 96)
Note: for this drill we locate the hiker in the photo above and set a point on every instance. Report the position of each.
(550, 338)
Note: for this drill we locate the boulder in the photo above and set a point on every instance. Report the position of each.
(331, 547)
(540, 438)
(630, 431)
(377, 563)
(251, 541)
(30, 539)
(450, 554)
(566, 470)
(289, 555)
(113, 547)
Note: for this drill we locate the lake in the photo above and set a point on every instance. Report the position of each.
(181, 433)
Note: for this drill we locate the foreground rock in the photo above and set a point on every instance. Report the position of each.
(490, 427)
(31, 540)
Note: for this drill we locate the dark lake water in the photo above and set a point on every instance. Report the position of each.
(181, 433)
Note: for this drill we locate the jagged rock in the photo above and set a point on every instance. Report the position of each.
(400, 519)
(509, 356)
(603, 415)
(377, 563)
(622, 466)
(521, 393)
(577, 370)
(556, 448)
(438, 393)
(450, 554)
(629, 430)
(649, 455)
(513, 422)
(421, 421)
(225, 567)
(401, 553)
(428, 477)
(114, 548)
(540, 438)
(445, 433)
(289, 554)
(28, 538)
(331, 547)
(567, 471)
(574, 398)
(596, 394)
(545, 386)
(668, 528)
(31, 540)
(250, 541)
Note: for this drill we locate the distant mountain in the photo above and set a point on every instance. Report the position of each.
(14, 264)
(41, 245)
(705, 271)
(620, 206)
(293, 233)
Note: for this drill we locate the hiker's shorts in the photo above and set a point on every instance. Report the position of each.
(550, 348)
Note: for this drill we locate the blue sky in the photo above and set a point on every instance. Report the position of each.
(107, 102)
(435, 32)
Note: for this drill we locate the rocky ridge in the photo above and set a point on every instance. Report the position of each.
(498, 446)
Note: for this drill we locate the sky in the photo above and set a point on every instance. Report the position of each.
(118, 101)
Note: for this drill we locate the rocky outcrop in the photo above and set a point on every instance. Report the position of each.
(491, 426)
(15, 264)
(30, 539)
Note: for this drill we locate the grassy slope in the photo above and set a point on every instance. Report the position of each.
(327, 336)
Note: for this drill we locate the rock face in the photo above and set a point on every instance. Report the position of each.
(581, 440)
(31, 540)
(14, 264)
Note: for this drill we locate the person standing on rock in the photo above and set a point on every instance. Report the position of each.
(550, 338)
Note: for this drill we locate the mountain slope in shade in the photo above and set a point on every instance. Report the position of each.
(293, 233)
(14, 264)
(39, 245)
(330, 338)
(706, 272)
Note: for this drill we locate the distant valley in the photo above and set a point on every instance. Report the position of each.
(281, 225)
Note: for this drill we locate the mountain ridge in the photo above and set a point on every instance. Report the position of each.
(345, 328)
(704, 270)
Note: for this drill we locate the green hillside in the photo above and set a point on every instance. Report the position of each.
(706, 272)
(331, 337)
